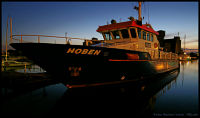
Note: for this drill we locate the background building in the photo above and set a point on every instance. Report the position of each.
(169, 45)
(160, 37)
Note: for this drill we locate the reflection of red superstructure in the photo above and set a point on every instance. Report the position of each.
(126, 25)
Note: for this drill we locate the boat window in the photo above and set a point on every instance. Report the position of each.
(144, 35)
(108, 36)
(125, 33)
(133, 33)
(152, 37)
(139, 32)
(148, 38)
(116, 34)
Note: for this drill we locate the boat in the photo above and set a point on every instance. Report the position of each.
(129, 52)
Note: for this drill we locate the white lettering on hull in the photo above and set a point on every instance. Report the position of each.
(83, 51)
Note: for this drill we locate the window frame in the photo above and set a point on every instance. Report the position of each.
(110, 36)
(139, 36)
(135, 32)
(148, 36)
(144, 34)
(127, 32)
(114, 38)
(151, 37)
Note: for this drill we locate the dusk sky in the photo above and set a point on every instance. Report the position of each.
(81, 19)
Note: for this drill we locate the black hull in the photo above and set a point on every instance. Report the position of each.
(83, 66)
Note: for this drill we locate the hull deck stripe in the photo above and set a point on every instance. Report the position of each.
(127, 60)
(98, 84)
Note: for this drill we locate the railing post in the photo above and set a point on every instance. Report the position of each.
(67, 41)
(66, 37)
(161, 55)
(170, 55)
(38, 39)
(10, 30)
(86, 42)
(21, 39)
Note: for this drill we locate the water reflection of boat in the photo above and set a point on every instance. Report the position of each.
(128, 48)
(134, 99)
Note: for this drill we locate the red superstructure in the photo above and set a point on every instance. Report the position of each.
(125, 25)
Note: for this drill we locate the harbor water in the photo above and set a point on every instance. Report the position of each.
(175, 94)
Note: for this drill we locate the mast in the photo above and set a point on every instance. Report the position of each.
(139, 12)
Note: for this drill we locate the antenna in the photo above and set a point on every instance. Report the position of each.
(65, 34)
(107, 23)
(139, 11)
(7, 39)
(184, 42)
(10, 30)
(144, 10)
(148, 14)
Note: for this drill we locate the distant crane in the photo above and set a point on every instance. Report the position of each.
(7, 40)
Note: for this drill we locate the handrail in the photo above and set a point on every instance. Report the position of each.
(67, 38)
(52, 36)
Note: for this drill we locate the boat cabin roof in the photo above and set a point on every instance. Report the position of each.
(126, 25)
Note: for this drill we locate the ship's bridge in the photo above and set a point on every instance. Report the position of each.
(130, 35)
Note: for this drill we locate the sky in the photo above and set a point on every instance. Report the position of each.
(81, 19)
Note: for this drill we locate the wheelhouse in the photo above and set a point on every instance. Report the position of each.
(131, 35)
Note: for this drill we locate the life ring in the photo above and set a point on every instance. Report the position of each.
(155, 45)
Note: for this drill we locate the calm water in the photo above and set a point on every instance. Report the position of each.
(173, 95)
(180, 96)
